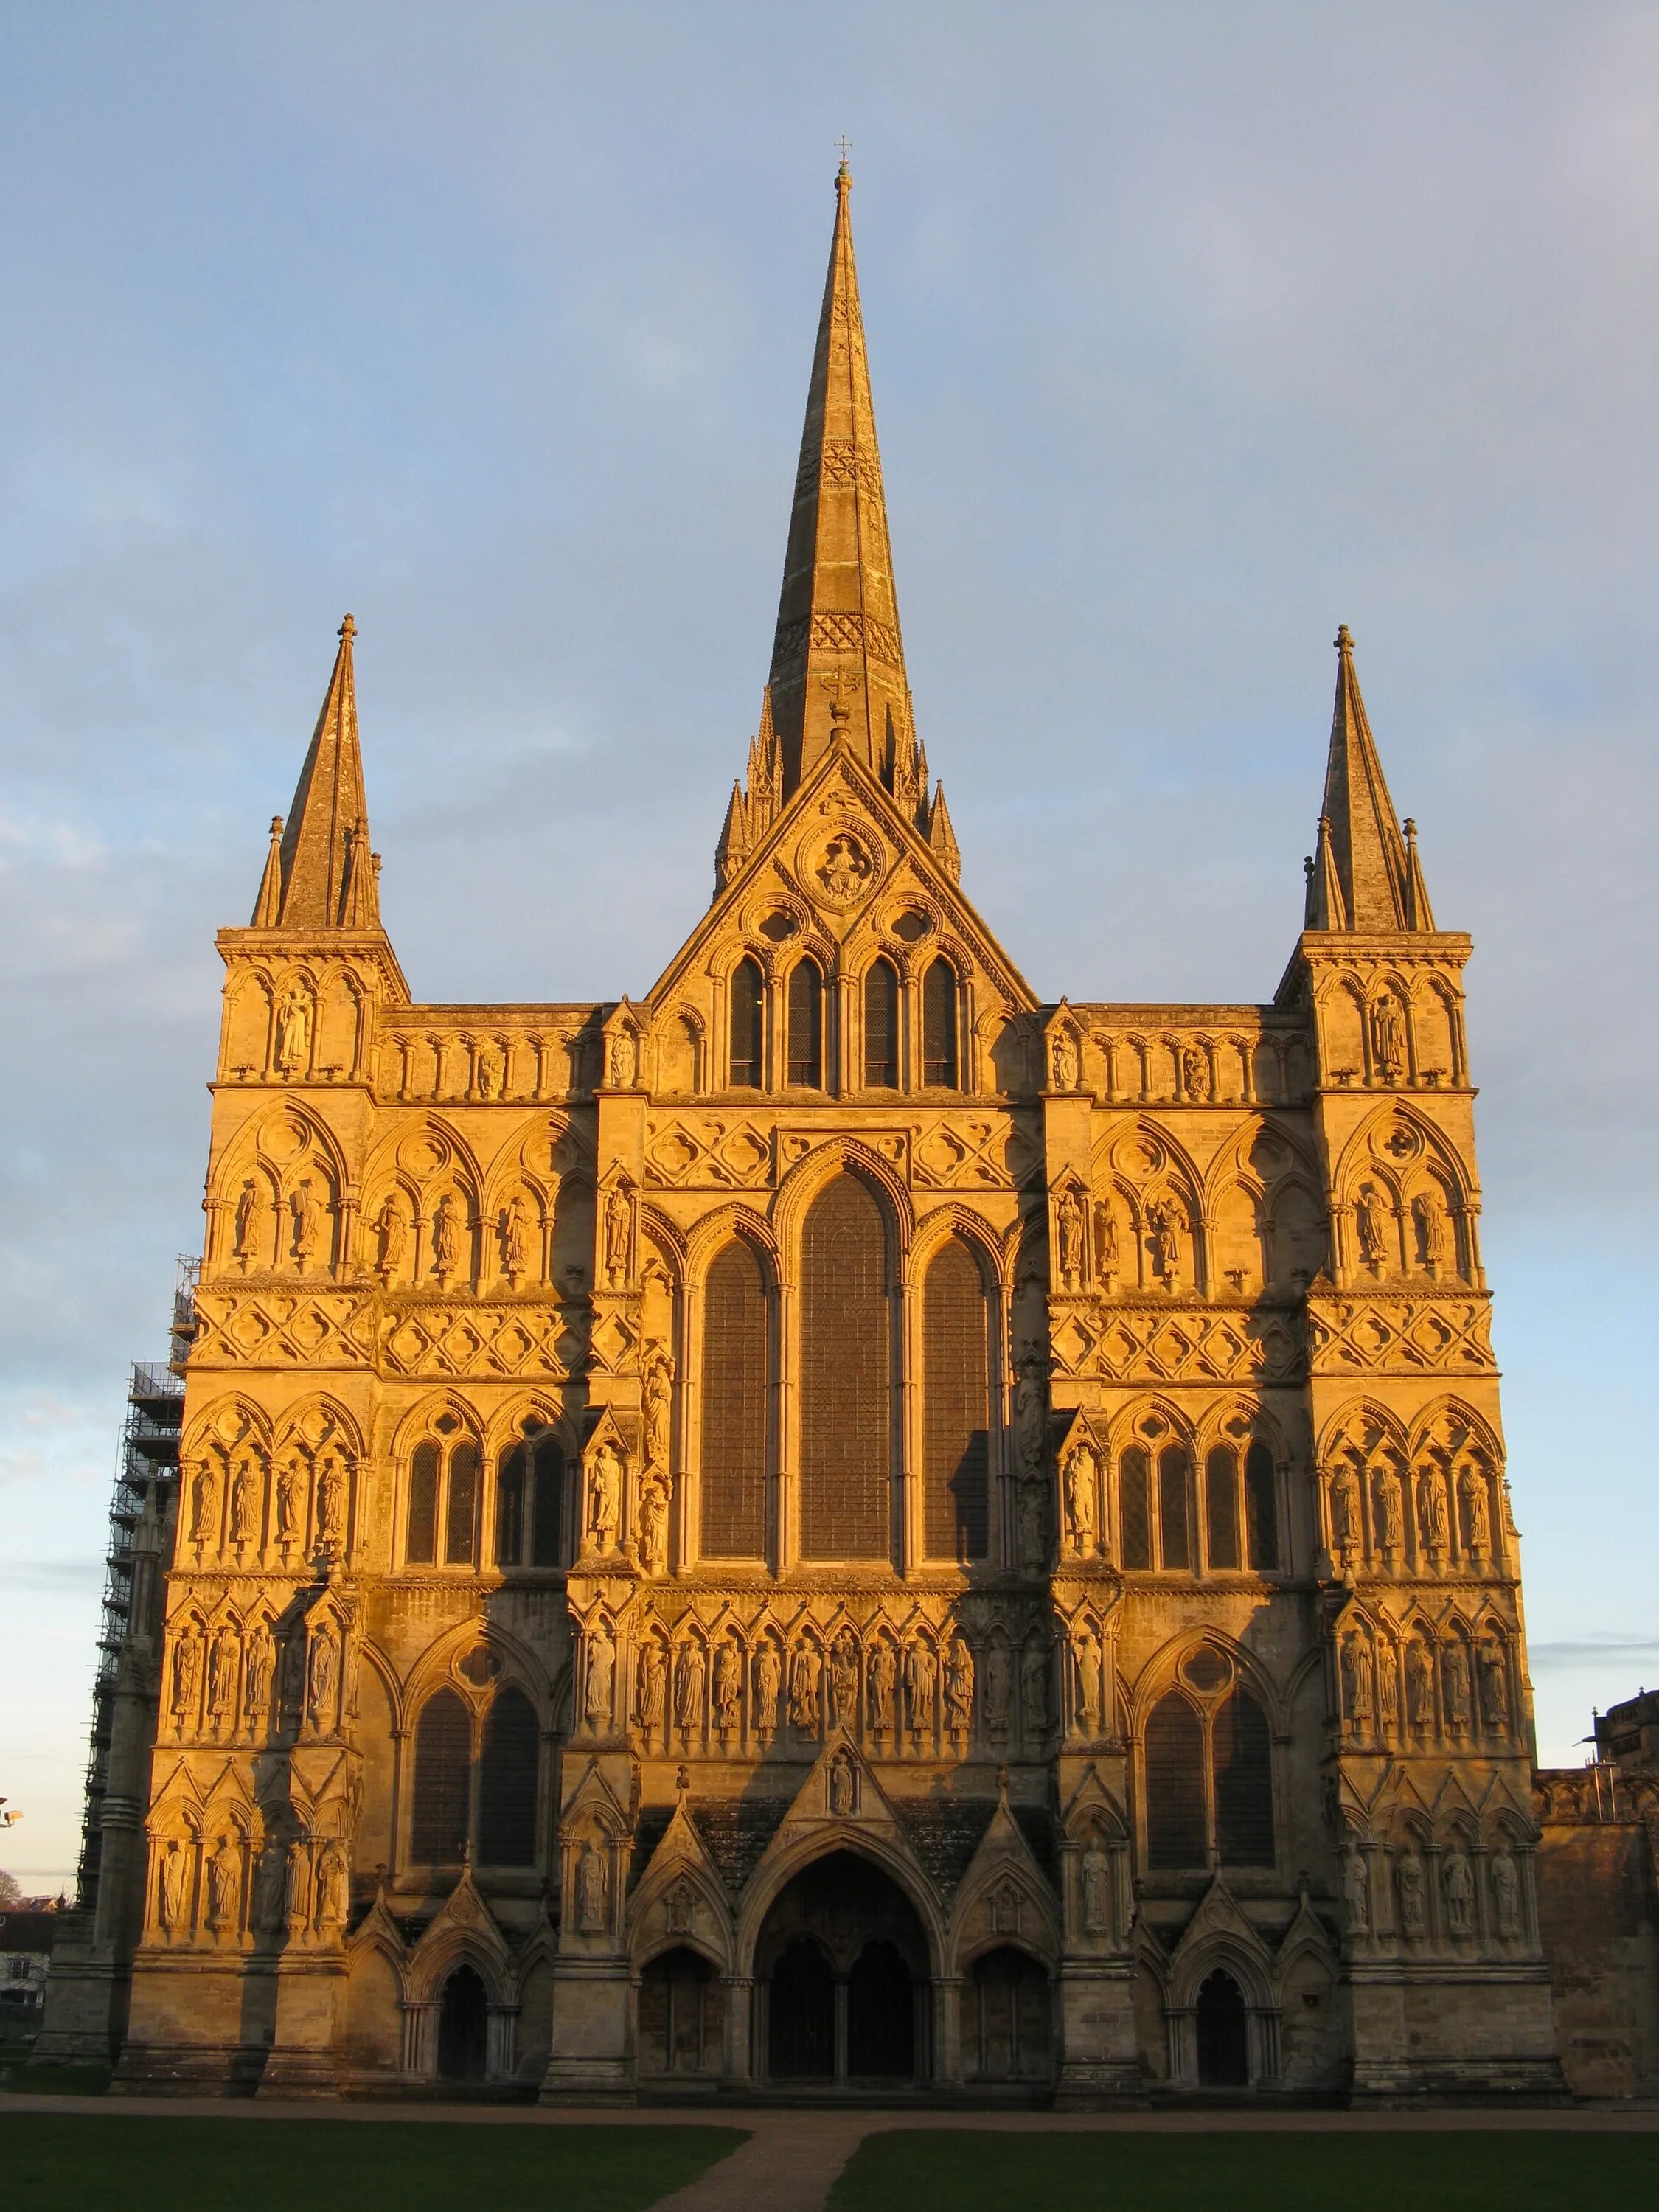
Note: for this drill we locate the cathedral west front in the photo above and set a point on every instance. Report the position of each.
(839, 1525)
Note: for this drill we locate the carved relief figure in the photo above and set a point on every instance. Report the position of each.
(728, 1684)
(1506, 1895)
(515, 1238)
(1387, 1040)
(256, 1678)
(244, 1506)
(959, 1688)
(1430, 1215)
(689, 1675)
(653, 1524)
(1455, 1676)
(492, 1070)
(223, 1885)
(1432, 1509)
(591, 1888)
(1106, 1248)
(1034, 1689)
(1408, 1877)
(330, 1501)
(247, 1214)
(288, 1479)
(657, 1397)
(878, 1686)
(843, 1683)
(648, 1687)
(445, 1237)
(624, 1059)
(1357, 1700)
(1494, 1686)
(333, 1902)
(1371, 1226)
(769, 1685)
(605, 1477)
(1032, 1524)
(601, 1679)
(999, 1686)
(1082, 1479)
(1085, 1679)
(1419, 1684)
(391, 1235)
(920, 1678)
(1347, 1530)
(618, 1238)
(843, 1787)
(186, 1673)
(1163, 1225)
(1477, 1513)
(1459, 1885)
(804, 1698)
(204, 1504)
(1194, 1074)
(293, 1030)
(1063, 1059)
(1388, 1688)
(1096, 1874)
(1389, 1521)
(271, 1886)
(1068, 1229)
(1356, 1893)
(221, 1673)
(308, 1222)
(324, 1673)
(170, 1890)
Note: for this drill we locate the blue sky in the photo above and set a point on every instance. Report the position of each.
(1195, 330)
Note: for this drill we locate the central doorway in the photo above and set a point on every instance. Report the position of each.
(842, 1962)
(1223, 2044)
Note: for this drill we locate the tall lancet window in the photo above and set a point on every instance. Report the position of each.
(955, 1406)
(881, 1026)
(806, 1026)
(746, 1005)
(845, 1430)
(733, 1482)
(938, 1026)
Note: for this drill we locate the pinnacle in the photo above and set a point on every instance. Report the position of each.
(326, 877)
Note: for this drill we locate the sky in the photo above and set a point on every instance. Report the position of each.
(1195, 330)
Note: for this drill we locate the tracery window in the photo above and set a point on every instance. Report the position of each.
(733, 1482)
(806, 1026)
(1241, 1500)
(508, 1775)
(441, 1523)
(881, 1026)
(940, 1059)
(956, 1406)
(530, 1501)
(476, 1782)
(746, 1011)
(846, 1443)
(1208, 1765)
(443, 1748)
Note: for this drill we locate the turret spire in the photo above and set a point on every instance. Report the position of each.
(838, 660)
(1362, 866)
(326, 882)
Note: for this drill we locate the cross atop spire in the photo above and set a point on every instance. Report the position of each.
(1363, 880)
(327, 880)
(838, 659)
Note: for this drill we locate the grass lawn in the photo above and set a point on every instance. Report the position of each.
(928, 2170)
(155, 2165)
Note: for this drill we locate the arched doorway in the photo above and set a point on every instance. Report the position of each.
(1008, 2033)
(679, 2014)
(463, 2028)
(1223, 2037)
(841, 1967)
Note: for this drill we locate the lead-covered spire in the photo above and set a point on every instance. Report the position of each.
(327, 872)
(1363, 868)
(838, 659)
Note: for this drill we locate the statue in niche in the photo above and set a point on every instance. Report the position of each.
(291, 1691)
(205, 1503)
(492, 1070)
(247, 1213)
(1371, 1226)
(1106, 1252)
(1506, 1895)
(170, 1890)
(1432, 1509)
(688, 1672)
(959, 1688)
(221, 1673)
(618, 1238)
(332, 1898)
(1356, 1893)
(1459, 1886)
(605, 1477)
(1388, 1688)
(288, 1479)
(1196, 1075)
(271, 1886)
(1494, 1686)
(1029, 1402)
(1357, 1700)
(1069, 1219)
(1033, 1690)
(515, 1238)
(1477, 1513)
(186, 1673)
(1163, 1227)
(1347, 1530)
(307, 1222)
(445, 1237)
(648, 1687)
(803, 1695)
(330, 1501)
(1387, 1040)
(1430, 1215)
(999, 1686)
(769, 1685)
(846, 867)
(1096, 1872)
(1409, 1879)
(293, 1030)
(680, 1908)
(391, 1235)
(1085, 1679)
(323, 1674)
(223, 1885)
(592, 1886)
(244, 1508)
(624, 1059)
(920, 1681)
(1419, 1684)
(256, 1678)
(653, 1524)
(1388, 1519)
(1033, 1520)
(843, 1683)
(728, 1684)
(1454, 1674)
(1082, 1477)
(878, 1686)
(843, 1787)
(601, 1679)
(657, 1398)
(1063, 1059)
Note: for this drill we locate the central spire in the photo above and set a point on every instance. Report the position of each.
(838, 660)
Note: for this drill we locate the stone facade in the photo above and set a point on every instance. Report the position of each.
(838, 1521)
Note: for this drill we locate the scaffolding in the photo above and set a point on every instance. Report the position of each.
(146, 1475)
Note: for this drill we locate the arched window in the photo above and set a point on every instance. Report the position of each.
(881, 1027)
(1241, 1761)
(846, 1444)
(938, 1026)
(546, 1500)
(734, 1399)
(443, 1498)
(1261, 1506)
(461, 1517)
(420, 1539)
(508, 1774)
(1135, 1507)
(745, 1006)
(955, 1406)
(1174, 1544)
(443, 1746)
(1221, 1499)
(509, 1507)
(805, 1069)
(1176, 1825)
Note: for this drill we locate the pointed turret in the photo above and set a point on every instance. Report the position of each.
(1362, 853)
(838, 660)
(268, 907)
(322, 887)
(942, 837)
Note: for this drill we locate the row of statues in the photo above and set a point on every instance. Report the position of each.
(237, 1501)
(1444, 1688)
(1430, 1494)
(1431, 1245)
(302, 1889)
(221, 1681)
(273, 1229)
(1373, 1882)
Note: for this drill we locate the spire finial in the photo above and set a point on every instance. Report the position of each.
(1344, 639)
(843, 175)
(347, 630)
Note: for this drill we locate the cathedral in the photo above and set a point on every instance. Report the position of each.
(839, 1526)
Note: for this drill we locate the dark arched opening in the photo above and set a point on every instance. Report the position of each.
(801, 2029)
(679, 2014)
(843, 1962)
(881, 2021)
(1008, 2032)
(463, 2028)
(1223, 2044)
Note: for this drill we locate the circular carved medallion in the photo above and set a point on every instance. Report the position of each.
(840, 864)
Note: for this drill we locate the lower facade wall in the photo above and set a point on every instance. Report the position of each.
(1598, 1902)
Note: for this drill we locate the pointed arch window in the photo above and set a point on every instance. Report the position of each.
(1155, 1497)
(1176, 1820)
(1174, 1487)
(940, 1058)
(845, 1428)
(1261, 1506)
(806, 1026)
(528, 1501)
(1209, 1783)
(955, 1406)
(443, 1745)
(441, 1525)
(509, 1774)
(1221, 1503)
(733, 1482)
(1135, 1507)
(746, 1009)
(1241, 1766)
(881, 1026)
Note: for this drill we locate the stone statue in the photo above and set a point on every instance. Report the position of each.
(1477, 1512)
(1459, 1885)
(204, 1504)
(1062, 1059)
(186, 1673)
(1454, 1674)
(618, 1238)
(247, 1211)
(1356, 1893)
(1494, 1686)
(392, 1230)
(878, 1686)
(222, 1672)
(308, 1222)
(287, 1503)
(1371, 1226)
(1388, 1688)
(1387, 1040)
(728, 1684)
(1419, 1685)
(1032, 1524)
(687, 1687)
(648, 1687)
(332, 1900)
(805, 1702)
(999, 1686)
(293, 1031)
(223, 1885)
(1106, 1253)
(604, 1476)
(959, 1688)
(1082, 1477)
(1386, 1519)
(1085, 1679)
(1069, 1219)
(590, 1891)
(624, 1059)
(1432, 1509)
(843, 1787)
(170, 1890)
(491, 1066)
(1347, 1529)
(921, 1679)
(1357, 1700)
(1430, 1215)
(323, 1674)
(1096, 1871)
(1506, 1895)
(515, 1237)
(1164, 1224)
(601, 1679)
(331, 1500)
(271, 1886)
(445, 1237)
(769, 1685)
(1034, 1689)
(1194, 1074)
(657, 1398)
(256, 1678)
(844, 1683)
(1408, 1877)
(653, 1524)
